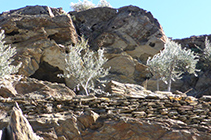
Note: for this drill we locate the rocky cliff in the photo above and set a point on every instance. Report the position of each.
(125, 110)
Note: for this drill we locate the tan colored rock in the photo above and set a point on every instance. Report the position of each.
(19, 127)
(128, 112)
(36, 32)
(120, 88)
(123, 65)
(68, 129)
(88, 119)
(7, 89)
(17, 85)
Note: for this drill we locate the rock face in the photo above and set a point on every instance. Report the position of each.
(124, 110)
(36, 32)
(129, 36)
(192, 41)
(20, 85)
(19, 127)
(117, 115)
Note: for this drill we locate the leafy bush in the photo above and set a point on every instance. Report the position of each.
(103, 3)
(85, 5)
(6, 54)
(207, 50)
(172, 62)
(205, 56)
(84, 67)
(81, 6)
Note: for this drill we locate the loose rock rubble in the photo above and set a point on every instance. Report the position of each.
(89, 117)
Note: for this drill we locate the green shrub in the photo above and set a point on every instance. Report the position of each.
(84, 67)
(172, 62)
(6, 54)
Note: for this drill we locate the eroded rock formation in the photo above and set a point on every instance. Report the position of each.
(19, 127)
(125, 110)
(129, 36)
(36, 32)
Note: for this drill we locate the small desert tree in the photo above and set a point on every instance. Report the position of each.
(207, 50)
(85, 5)
(172, 62)
(84, 67)
(103, 3)
(81, 6)
(205, 56)
(6, 54)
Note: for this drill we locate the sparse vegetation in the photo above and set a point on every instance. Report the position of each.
(84, 67)
(6, 54)
(85, 5)
(103, 3)
(205, 55)
(207, 49)
(172, 62)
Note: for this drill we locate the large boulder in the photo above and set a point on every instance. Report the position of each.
(19, 128)
(17, 85)
(37, 32)
(129, 36)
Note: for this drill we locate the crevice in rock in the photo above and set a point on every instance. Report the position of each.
(52, 37)
(12, 33)
(152, 44)
(56, 37)
(46, 72)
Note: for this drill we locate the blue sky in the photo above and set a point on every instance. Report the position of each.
(179, 18)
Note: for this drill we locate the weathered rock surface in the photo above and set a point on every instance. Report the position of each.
(190, 42)
(19, 127)
(128, 111)
(120, 114)
(36, 32)
(128, 34)
(18, 86)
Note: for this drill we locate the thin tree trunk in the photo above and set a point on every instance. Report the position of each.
(170, 75)
(169, 83)
(85, 88)
(158, 88)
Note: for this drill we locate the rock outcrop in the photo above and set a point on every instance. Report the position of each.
(125, 110)
(42, 34)
(17, 85)
(36, 32)
(19, 127)
(129, 36)
(120, 114)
